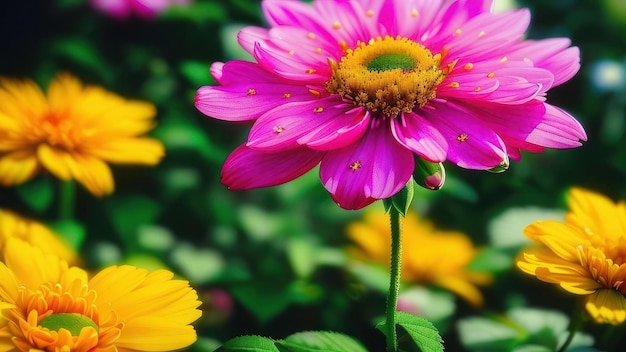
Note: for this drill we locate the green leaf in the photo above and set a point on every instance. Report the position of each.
(483, 334)
(249, 343)
(401, 201)
(81, 51)
(264, 300)
(198, 12)
(197, 72)
(419, 334)
(128, 213)
(71, 231)
(38, 194)
(326, 341)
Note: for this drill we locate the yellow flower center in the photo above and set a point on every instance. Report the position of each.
(72, 322)
(56, 318)
(58, 130)
(387, 75)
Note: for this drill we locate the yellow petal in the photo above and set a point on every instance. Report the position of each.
(146, 151)
(561, 238)
(22, 99)
(60, 163)
(31, 266)
(63, 91)
(155, 334)
(8, 284)
(463, 288)
(607, 307)
(95, 175)
(89, 171)
(18, 167)
(596, 213)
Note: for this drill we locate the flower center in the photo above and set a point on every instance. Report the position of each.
(73, 322)
(387, 75)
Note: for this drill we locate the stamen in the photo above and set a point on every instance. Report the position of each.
(387, 75)
(462, 137)
(355, 165)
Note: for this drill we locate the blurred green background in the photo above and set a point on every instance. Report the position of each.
(271, 261)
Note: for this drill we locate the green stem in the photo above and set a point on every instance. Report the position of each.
(66, 200)
(575, 323)
(394, 283)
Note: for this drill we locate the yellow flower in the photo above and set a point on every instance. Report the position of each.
(35, 233)
(72, 133)
(585, 255)
(47, 306)
(429, 256)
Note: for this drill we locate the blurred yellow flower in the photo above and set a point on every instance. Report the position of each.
(72, 133)
(48, 306)
(585, 255)
(35, 233)
(429, 256)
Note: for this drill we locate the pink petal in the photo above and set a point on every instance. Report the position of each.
(376, 168)
(247, 92)
(334, 21)
(418, 135)
(119, 9)
(471, 143)
(532, 126)
(323, 123)
(336, 134)
(249, 36)
(554, 55)
(246, 168)
(454, 15)
(487, 36)
(278, 60)
(508, 82)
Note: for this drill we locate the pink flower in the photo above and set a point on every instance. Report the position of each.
(363, 87)
(123, 9)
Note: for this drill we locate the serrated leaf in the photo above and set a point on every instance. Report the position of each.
(318, 341)
(249, 343)
(422, 333)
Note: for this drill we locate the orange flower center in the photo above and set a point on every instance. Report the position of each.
(57, 130)
(387, 75)
(55, 318)
(605, 265)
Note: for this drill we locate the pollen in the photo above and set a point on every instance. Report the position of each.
(481, 34)
(504, 59)
(468, 66)
(414, 13)
(458, 31)
(287, 95)
(291, 52)
(369, 13)
(314, 92)
(318, 50)
(355, 165)
(251, 91)
(311, 71)
(387, 76)
(336, 25)
(491, 75)
(278, 129)
(477, 89)
(318, 110)
(454, 84)
(311, 35)
(462, 137)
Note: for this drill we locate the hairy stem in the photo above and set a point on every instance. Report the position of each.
(394, 282)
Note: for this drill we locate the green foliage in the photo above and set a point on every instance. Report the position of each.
(417, 334)
(308, 341)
